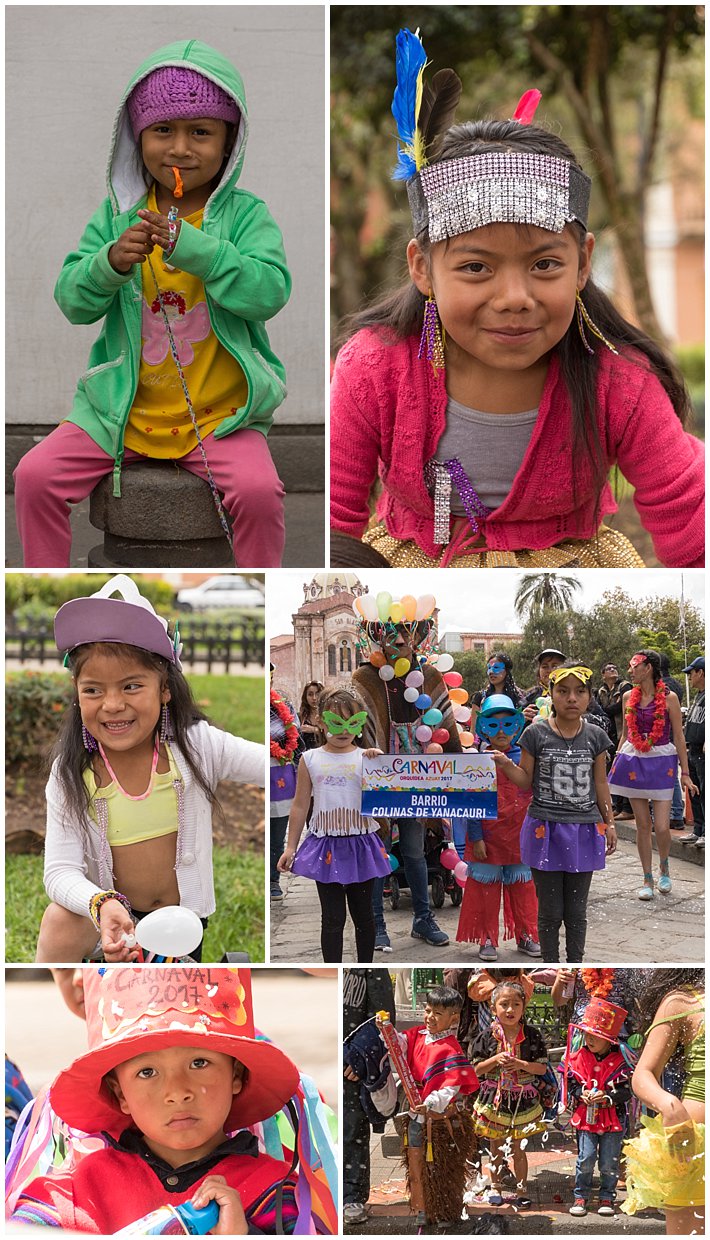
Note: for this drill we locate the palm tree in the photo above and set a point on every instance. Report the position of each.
(540, 592)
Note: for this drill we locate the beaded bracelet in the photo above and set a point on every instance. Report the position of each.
(99, 899)
(172, 230)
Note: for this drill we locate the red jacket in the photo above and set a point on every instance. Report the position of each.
(112, 1188)
(606, 1073)
(440, 1063)
(388, 411)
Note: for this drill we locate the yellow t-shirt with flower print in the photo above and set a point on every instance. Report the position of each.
(159, 424)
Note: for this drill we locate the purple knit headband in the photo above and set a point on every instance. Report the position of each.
(173, 93)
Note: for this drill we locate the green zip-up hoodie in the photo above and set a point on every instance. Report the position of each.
(238, 254)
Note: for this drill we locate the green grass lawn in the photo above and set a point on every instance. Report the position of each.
(237, 925)
(235, 703)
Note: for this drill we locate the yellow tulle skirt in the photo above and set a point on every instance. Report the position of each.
(665, 1167)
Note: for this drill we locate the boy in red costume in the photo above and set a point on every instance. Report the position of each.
(443, 1075)
(598, 1080)
(493, 849)
(173, 1067)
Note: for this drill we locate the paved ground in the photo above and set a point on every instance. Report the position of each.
(551, 1158)
(621, 927)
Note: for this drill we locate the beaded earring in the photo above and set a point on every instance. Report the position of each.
(90, 742)
(431, 345)
(166, 725)
(582, 318)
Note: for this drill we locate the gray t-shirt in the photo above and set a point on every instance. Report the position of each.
(490, 447)
(563, 781)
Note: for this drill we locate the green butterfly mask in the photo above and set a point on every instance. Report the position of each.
(337, 725)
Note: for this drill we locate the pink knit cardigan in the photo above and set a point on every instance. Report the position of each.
(388, 411)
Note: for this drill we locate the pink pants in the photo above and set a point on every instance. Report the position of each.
(66, 466)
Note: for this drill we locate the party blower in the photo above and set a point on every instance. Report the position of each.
(182, 1220)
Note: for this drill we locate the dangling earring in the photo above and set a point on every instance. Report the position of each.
(582, 318)
(431, 345)
(166, 725)
(90, 742)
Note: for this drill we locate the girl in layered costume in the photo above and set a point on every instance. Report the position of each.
(510, 1058)
(493, 849)
(184, 268)
(495, 391)
(665, 1164)
(132, 786)
(341, 850)
(645, 768)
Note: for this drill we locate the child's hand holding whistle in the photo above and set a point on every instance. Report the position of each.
(232, 1219)
(115, 922)
(133, 246)
(163, 231)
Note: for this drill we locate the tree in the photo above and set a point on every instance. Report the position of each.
(540, 592)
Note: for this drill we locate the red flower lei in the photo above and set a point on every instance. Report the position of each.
(284, 752)
(598, 982)
(639, 742)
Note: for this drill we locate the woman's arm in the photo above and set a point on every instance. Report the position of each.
(601, 787)
(297, 816)
(624, 704)
(676, 719)
(522, 775)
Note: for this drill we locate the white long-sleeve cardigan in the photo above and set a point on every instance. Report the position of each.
(77, 857)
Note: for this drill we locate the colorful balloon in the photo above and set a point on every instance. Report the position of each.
(394, 863)
(441, 736)
(384, 602)
(377, 658)
(409, 607)
(357, 608)
(459, 696)
(170, 931)
(401, 667)
(461, 881)
(411, 695)
(444, 663)
(414, 679)
(461, 713)
(449, 858)
(466, 739)
(433, 747)
(453, 679)
(423, 701)
(369, 607)
(432, 717)
(396, 613)
(386, 673)
(461, 871)
(423, 733)
(425, 606)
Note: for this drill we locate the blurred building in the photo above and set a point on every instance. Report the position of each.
(456, 641)
(323, 645)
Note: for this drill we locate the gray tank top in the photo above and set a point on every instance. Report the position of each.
(490, 447)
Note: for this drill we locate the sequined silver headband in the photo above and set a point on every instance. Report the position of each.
(455, 196)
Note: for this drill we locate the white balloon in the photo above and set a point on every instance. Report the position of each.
(369, 607)
(171, 931)
(411, 695)
(425, 606)
(387, 673)
(413, 680)
(461, 714)
(444, 663)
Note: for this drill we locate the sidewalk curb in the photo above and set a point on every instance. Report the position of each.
(680, 852)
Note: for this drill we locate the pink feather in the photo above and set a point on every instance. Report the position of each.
(527, 107)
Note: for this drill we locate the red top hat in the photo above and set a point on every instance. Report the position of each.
(134, 1009)
(603, 1019)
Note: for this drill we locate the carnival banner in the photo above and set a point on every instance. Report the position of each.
(437, 785)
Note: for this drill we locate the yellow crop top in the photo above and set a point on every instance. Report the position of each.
(131, 820)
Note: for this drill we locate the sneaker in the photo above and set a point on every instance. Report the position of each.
(487, 951)
(646, 892)
(382, 942)
(690, 838)
(355, 1212)
(528, 946)
(579, 1209)
(606, 1206)
(493, 1198)
(523, 1203)
(677, 824)
(664, 883)
(427, 930)
(276, 892)
(700, 842)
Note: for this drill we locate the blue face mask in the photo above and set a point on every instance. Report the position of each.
(490, 725)
(494, 669)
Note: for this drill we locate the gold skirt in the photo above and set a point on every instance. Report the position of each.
(609, 549)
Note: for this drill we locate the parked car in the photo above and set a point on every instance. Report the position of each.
(227, 591)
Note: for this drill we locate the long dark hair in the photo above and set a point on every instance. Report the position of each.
(664, 982)
(510, 688)
(402, 312)
(69, 752)
(304, 709)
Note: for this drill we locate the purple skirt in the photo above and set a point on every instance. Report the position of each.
(575, 847)
(342, 858)
(647, 776)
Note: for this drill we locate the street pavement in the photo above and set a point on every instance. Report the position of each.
(551, 1160)
(622, 929)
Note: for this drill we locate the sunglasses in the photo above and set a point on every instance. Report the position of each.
(491, 727)
(495, 668)
(338, 725)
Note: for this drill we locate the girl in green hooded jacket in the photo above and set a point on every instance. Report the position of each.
(175, 243)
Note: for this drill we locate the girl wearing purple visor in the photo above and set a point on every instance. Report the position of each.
(132, 786)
